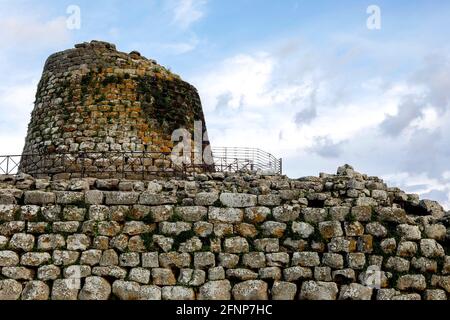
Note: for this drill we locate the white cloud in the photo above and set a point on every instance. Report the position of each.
(176, 48)
(16, 104)
(28, 31)
(186, 12)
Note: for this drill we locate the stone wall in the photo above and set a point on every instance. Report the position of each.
(96, 100)
(221, 236)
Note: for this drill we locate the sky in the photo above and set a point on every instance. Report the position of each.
(318, 83)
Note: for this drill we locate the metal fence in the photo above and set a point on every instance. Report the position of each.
(137, 165)
(239, 158)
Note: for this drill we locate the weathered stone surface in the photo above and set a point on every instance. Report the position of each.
(330, 229)
(49, 272)
(424, 265)
(355, 291)
(397, 264)
(241, 274)
(270, 273)
(283, 290)
(215, 290)
(95, 288)
(267, 244)
(238, 200)
(35, 290)
(161, 213)
(297, 273)
(273, 229)
(333, 260)
(250, 290)
(129, 259)
(435, 294)
(286, 213)
(150, 292)
(407, 249)
(318, 290)
(47, 242)
(193, 214)
(433, 207)
(39, 197)
(278, 259)
(303, 229)
(126, 290)
(177, 293)
(362, 213)
(152, 199)
(408, 232)
(228, 260)
(64, 257)
(94, 197)
(236, 245)
(431, 249)
(18, 273)
(356, 261)
(204, 260)
(9, 258)
(174, 259)
(227, 215)
(150, 260)
(35, 259)
(436, 231)
(441, 282)
(254, 260)
(376, 229)
(10, 289)
(8, 212)
(206, 198)
(256, 214)
(412, 282)
(191, 277)
(140, 275)
(305, 259)
(339, 213)
(67, 197)
(65, 289)
(174, 228)
(314, 215)
(121, 198)
(163, 277)
(78, 242)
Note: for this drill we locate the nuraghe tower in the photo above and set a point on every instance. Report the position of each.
(97, 109)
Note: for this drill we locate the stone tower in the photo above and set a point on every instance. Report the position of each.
(100, 111)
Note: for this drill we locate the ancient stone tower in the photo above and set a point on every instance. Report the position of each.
(100, 111)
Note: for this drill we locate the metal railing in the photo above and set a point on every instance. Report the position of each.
(241, 158)
(136, 165)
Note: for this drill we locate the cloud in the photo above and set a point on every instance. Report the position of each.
(25, 31)
(430, 86)
(223, 102)
(186, 12)
(180, 47)
(309, 113)
(410, 109)
(325, 147)
(16, 104)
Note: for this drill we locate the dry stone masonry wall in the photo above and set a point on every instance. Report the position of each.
(220, 236)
